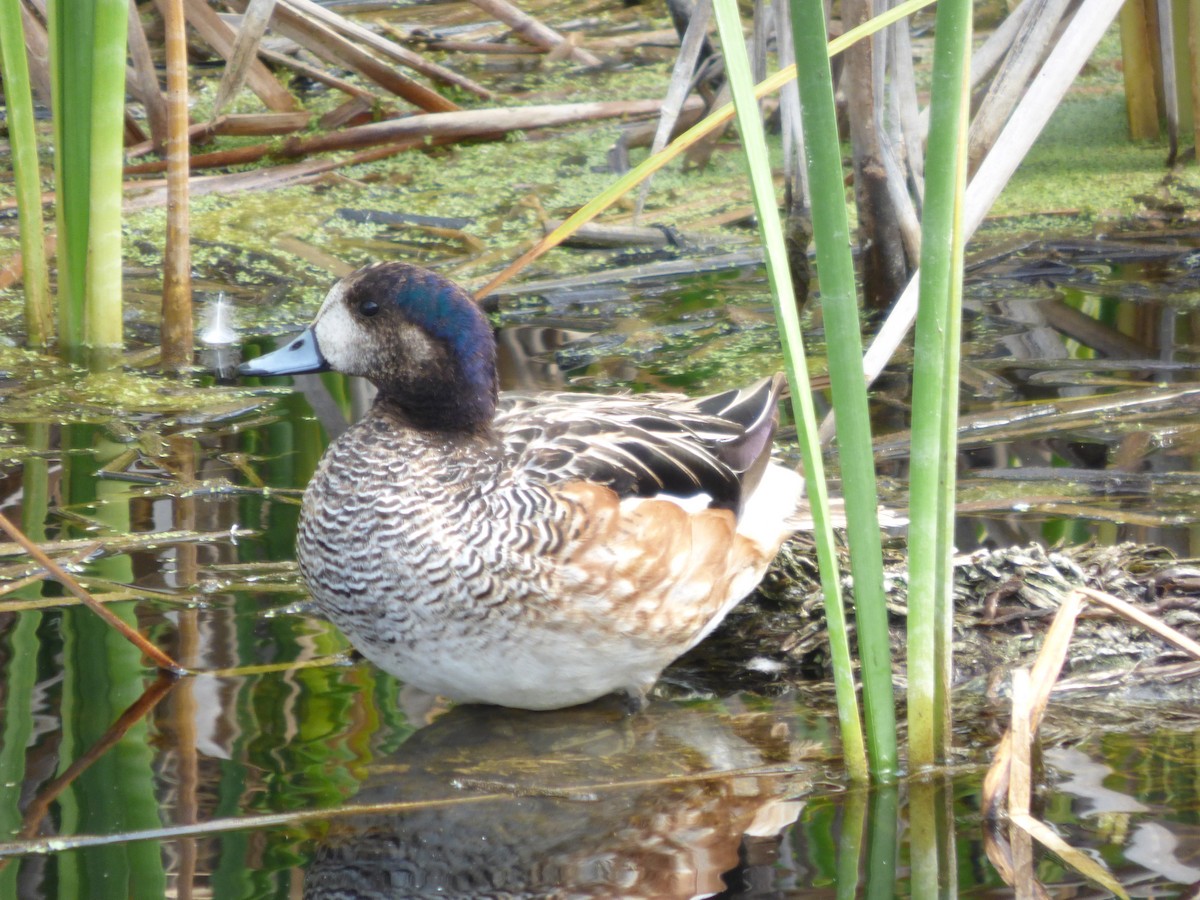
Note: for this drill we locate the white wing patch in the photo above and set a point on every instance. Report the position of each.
(339, 338)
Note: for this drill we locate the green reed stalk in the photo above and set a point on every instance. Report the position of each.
(22, 133)
(103, 328)
(843, 334)
(69, 23)
(935, 394)
(741, 83)
(87, 65)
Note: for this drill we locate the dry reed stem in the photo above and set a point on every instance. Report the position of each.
(1045, 672)
(1020, 780)
(73, 559)
(176, 339)
(1029, 47)
(352, 111)
(235, 124)
(474, 123)
(222, 38)
(215, 160)
(387, 48)
(1147, 621)
(1020, 786)
(140, 540)
(1076, 859)
(154, 192)
(143, 80)
(1009, 773)
(249, 36)
(261, 124)
(317, 74)
(332, 47)
(530, 29)
(694, 39)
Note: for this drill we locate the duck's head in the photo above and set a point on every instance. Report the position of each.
(417, 337)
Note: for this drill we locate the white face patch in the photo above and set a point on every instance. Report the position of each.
(352, 347)
(340, 339)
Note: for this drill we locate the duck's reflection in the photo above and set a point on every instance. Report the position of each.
(583, 802)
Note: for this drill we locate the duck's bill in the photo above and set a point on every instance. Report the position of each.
(300, 354)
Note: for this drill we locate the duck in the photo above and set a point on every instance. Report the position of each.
(523, 549)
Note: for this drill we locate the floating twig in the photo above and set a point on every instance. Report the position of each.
(473, 123)
(33, 577)
(329, 45)
(154, 192)
(124, 543)
(596, 235)
(387, 48)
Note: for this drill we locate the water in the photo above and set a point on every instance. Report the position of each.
(287, 768)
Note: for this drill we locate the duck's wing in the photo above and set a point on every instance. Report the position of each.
(713, 448)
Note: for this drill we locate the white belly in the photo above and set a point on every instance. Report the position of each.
(539, 670)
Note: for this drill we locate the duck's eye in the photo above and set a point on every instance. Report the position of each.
(368, 308)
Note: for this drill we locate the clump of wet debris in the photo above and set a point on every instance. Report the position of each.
(1004, 600)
